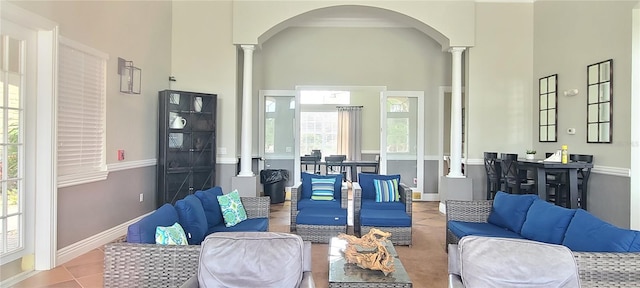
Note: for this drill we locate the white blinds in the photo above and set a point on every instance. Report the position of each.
(81, 109)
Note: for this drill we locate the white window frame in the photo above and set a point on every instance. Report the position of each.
(96, 170)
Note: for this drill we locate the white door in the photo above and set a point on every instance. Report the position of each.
(17, 78)
(277, 131)
(402, 136)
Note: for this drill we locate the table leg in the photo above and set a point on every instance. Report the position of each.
(541, 183)
(573, 188)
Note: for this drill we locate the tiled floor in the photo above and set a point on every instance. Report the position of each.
(425, 261)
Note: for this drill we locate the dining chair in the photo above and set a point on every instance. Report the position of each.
(555, 186)
(334, 165)
(583, 177)
(307, 160)
(372, 170)
(494, 174)
(515, 179)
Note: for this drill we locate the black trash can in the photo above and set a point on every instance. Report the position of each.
(274, 181)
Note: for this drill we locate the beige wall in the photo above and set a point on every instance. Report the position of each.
(499, 89)
(106, 26)
(398, 58)
(253, 20)
(204, 60)
(600, 31)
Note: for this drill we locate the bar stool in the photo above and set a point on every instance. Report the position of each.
(306, 160)
(494, 174)
(583, 177)
(515, 180)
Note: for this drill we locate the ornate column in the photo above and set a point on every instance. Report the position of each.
(247, 87)
(455, 170)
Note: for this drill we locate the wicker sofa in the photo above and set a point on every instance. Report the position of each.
(596, 269)
(153, 265)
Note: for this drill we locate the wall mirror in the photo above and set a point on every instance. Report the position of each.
(599, 97)
(548, 114)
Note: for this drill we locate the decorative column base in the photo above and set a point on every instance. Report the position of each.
(246, 186)
(455, 189)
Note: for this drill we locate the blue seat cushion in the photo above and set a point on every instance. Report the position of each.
(209, 201)
(144, 230)
(309, 203)
(322, 216)
(366, 183)
(249, 225)
(384, 218)
(587, 233)
(192, 218)
(373, 205)
(461, 229)
(307, 187)
(546, 222)
(510, 210)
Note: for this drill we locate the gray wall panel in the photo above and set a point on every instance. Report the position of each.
(88, 209)
(608, 198)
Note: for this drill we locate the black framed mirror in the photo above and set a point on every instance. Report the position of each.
(548, 112)
(599, 102)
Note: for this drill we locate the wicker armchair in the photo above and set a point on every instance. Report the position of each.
(153, 265)
(316, 233)
(596, 269)
(399, 235)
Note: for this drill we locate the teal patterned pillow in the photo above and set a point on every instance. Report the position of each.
(232, 210)
(172, 235)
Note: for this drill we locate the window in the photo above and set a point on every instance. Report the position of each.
(319, 120)
(81, 113)
(12, 82)
(398, 125)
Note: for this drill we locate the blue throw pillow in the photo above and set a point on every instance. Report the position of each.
(172, 235)
(210, 205)
(588, 233)
(144, 231)
(510, 210)
(386, 190)
(322, 189)
(192, 218)
(307, 189)
(232, 209)
(366, 183)
(546, 222)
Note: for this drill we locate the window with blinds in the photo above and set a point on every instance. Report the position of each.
(81, 113)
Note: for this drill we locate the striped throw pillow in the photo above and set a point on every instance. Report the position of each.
(386, 190)
(322, 188)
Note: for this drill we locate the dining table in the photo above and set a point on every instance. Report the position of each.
(352, 164)
(540, 168)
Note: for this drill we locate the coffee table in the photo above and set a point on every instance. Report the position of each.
(343, 274)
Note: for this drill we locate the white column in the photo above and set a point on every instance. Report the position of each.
(247, 87)
(455, 169)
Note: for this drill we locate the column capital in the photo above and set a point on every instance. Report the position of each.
(457, 49)
(248, 47)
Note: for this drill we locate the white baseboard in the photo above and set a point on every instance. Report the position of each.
(430, 197)
(442, 208)
(83, 246)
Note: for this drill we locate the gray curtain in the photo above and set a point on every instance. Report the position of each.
(350, 131)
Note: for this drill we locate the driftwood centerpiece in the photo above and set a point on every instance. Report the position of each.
(369, 251)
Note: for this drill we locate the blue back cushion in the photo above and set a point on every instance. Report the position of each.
(209, 201)
(587, 233)
(366, 183)
(510, 210)
(546, 222)
(192, 218)
(144, 231)
(307, 188)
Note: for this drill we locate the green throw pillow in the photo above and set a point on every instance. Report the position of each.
(322, 188)
(232, 210)
(172, 235)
